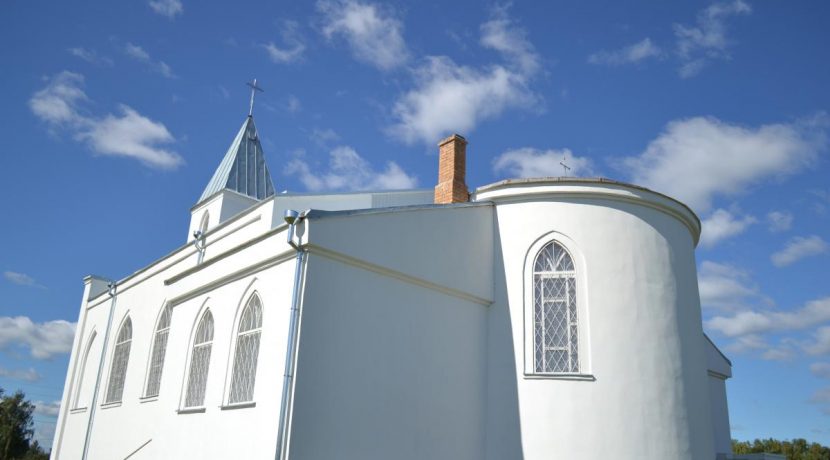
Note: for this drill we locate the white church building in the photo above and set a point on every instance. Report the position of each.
(551, 318)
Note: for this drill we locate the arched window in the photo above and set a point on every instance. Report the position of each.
(203, 225)
(199, 362)
(79, 386)
(120, 358)
(159, 349)
(247, 351)
(555, 331)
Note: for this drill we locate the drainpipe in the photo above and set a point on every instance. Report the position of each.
(111, 291)
(286, 406)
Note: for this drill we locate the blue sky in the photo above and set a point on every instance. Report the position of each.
(116, 114)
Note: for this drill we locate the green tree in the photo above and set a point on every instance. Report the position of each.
(796, 449)
(17, 428)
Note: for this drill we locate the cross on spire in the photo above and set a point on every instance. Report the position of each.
(254, 89)
(565, 167)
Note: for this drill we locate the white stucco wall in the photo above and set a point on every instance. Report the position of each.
(640, 326)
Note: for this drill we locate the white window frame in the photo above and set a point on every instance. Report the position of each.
(580, 276)
(81, 371)
(184, 407)
(237, 334)
(110, 375)
(149, 372)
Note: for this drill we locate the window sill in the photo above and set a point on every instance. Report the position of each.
(111, 405)
(146, 399)
(244, 405)
(577, 377)
(77, 410)
(191, 410)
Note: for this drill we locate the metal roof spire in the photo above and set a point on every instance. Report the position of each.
(254, 89)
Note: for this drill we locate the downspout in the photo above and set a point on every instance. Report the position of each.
(111, 291)
(286, 406)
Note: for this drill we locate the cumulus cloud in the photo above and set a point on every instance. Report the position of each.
(373, 33)
(347, 170)
(798, 248)
(756, 322)
(167, 8)
(503, 34)
(779, 221)
(696, 159)
(292, 47)
(630, 54)
(141, 55)
(49, 409)
(723, 224)
(453, 98)
(706, 41)
(821, 370)
(819, 343)
(43, 340)
(531, 162)
(727, 287)
(28, 375)
(128, 133)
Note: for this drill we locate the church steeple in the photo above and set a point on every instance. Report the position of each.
(243, 168)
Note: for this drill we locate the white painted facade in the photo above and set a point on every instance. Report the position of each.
(415, 333)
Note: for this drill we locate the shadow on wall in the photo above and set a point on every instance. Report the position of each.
(504, 432)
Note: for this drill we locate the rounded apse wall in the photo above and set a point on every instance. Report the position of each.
(640, 389)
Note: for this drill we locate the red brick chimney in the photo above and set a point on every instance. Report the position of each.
(452, 154)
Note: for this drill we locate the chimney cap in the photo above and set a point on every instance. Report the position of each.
(452, 138)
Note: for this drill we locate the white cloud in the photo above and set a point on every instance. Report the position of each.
(44, 340)
(698, 45)
(21, 279)
(779, 221)
(755, 322)
(127, 134)
(89, 56)
(28, 375)
(141, 55)
(293, 47)
(49, 409)
(696, 159)
(727, 288)
(347, 170)
(820, 370)
(293, 104)
(167, 8)
(454, 98)
(798, 248)
(631, 54)
(373, 33)
(531, 162)
(721, 225)
(502, 34)
(820, 344)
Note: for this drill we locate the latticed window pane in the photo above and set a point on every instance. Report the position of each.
(200, 362)
(247, 352)
(555, 327)
(120, 359)
(159, 350)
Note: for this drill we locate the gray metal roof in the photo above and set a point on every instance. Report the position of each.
(243, 168)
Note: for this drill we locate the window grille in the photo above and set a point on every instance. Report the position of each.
(200, 362)
(159, 350)
(555, 326)
(80, 383)
(120, 357)
(247, 352)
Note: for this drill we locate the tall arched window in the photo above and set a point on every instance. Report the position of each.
(120, 358)
(199, 362)
(158, 352)
(82, 372)
(247, 352)
(555, 331)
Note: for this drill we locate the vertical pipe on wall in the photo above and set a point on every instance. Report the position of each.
(112, 288)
